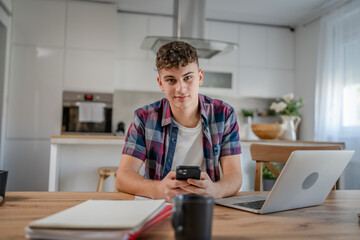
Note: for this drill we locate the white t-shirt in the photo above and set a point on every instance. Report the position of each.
(189, 147)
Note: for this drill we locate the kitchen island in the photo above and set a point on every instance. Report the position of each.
(74, 160)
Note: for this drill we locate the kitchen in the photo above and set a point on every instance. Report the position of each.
(95, 46)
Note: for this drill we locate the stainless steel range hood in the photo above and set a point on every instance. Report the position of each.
(189, 26)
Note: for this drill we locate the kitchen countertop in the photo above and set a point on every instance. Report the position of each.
(114, 140)
(275, 141)
(87, 139)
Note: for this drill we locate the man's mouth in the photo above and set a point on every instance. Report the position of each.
(181, 97)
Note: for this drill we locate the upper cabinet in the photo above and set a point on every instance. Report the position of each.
(131, 31)
(135, 67)
(266, 47)
(227, 32)
(39, 23)
(280, 48)
(266, 61)
(253, 46)
(91, 25)
(90, 47)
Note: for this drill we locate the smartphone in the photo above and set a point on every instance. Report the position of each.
(185, 172)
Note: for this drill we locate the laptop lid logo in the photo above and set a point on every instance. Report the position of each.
(310, 180)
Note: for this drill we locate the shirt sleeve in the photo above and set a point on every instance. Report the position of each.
(231, 141)
(135, 139)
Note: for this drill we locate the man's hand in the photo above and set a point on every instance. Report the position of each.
(170, 187)
(204, 186)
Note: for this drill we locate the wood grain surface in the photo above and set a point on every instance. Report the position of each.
(337, 218)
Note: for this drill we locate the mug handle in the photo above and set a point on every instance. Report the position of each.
(178, 220)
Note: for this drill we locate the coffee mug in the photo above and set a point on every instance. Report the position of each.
(3, 178)
(192, 216)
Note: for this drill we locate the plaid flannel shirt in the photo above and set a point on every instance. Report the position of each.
(152, 136)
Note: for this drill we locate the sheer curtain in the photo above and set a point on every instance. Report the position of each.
(337, 99)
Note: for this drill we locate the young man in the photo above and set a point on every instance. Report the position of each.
(185, 128)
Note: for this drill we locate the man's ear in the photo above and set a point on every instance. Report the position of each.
(201, 77)
(160, 84)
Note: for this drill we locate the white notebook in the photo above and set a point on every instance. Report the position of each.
(102, 214)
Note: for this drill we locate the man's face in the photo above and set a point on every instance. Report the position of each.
(181, 86)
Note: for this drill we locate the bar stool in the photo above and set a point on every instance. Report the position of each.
(104, 173)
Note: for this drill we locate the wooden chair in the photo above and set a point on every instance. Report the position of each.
(104, 173)
(266, 153)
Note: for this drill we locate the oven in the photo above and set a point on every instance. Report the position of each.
(86, 112)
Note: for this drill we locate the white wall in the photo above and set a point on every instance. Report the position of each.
(306, 48)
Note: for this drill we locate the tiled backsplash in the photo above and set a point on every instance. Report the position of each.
(126, 102)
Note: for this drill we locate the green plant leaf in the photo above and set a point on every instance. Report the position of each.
(267, 174)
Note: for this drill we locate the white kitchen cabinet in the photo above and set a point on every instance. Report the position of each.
(89, 70)
(91, 25)
(266, 62)
(136, 67)
(227, 32)
(264, 83)
(266, 47)
(137, 75)
(39, 22)
(90, 47)
(131, 31)
(217, 82)
(253, 46)
(280, 48)
(34, 107)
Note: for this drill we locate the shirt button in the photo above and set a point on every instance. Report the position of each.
(215, 148)
(173, 139)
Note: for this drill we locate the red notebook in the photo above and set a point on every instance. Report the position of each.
(164, 213)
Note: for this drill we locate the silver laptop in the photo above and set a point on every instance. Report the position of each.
(306, 180)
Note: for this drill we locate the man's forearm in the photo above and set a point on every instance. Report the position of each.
(131, 182)
(228, 185)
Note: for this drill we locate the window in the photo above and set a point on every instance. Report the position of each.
(351, 96)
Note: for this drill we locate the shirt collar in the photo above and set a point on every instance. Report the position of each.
(166, 114)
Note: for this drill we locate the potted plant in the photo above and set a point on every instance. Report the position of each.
(269, 178)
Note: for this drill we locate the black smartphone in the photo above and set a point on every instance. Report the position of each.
(185, 172)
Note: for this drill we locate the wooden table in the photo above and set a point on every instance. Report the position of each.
(337, 218)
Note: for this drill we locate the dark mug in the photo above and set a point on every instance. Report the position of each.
(192, 216)
(3, 178)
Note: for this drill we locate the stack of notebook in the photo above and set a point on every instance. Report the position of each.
(101, 219)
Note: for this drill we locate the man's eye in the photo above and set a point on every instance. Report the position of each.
(170, 80)
(187, 77)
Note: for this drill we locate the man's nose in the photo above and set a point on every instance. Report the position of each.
(180, 86)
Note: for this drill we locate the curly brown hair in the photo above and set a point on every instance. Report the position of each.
(175, 54)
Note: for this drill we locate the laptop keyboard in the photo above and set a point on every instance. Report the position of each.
(254, 205)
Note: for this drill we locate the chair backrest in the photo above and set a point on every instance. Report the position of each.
(266, 153)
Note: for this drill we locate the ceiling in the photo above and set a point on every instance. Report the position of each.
(268, 12)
